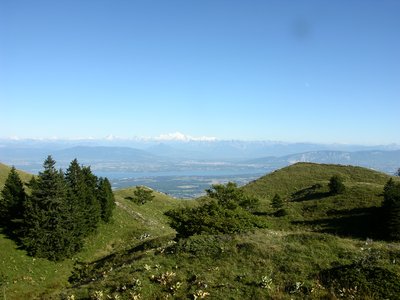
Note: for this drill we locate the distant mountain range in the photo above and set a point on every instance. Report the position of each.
(193, 155)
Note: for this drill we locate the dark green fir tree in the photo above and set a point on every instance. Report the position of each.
(76, 196)
(105, 196)
(48, 225)
(91, 208)
(11, 202)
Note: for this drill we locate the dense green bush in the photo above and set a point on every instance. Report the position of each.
(230, 196)
(336, 185)
(142, 195)
(212, 218)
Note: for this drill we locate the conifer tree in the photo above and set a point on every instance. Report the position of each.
(76, 196)
(90, 204)
(47, 223)
(32, 183)
(11, 201)
(105, 196)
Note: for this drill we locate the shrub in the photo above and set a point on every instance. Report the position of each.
(211, 218)
(336, 185)
(142, 195)
(230, 196)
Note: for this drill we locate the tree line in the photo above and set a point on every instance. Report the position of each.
(57, 210)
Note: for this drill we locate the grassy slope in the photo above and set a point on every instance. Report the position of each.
(121, 260)
(282, 262)
(302, 175)
(256, 265)
(4, 170)
(352, 213)
(24, 277)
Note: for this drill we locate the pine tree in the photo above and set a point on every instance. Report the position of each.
(90, 204)
(48, 226)
(11, 202)
(76, 196)
(105, 196)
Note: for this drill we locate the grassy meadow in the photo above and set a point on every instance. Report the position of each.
(296, 256)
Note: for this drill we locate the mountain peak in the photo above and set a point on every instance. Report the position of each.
(178, 136)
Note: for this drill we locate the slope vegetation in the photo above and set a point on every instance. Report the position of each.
(25, 277)
(302, 175)
(308, 203)
(318, 250)
(297, 257)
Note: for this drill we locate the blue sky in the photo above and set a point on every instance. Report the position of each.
(320, 71)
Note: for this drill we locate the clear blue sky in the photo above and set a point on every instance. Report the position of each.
(321, 71)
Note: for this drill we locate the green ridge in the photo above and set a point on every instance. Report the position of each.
(302, 175)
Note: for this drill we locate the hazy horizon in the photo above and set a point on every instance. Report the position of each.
(176, 137)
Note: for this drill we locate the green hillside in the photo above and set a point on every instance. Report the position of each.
(308, 203)
(4, 170)
(24, 277)
(297, 257)
(321, 249)
(302, 175)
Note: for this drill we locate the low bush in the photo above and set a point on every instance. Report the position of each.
(212, 218)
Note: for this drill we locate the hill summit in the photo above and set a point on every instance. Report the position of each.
(302, 175)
